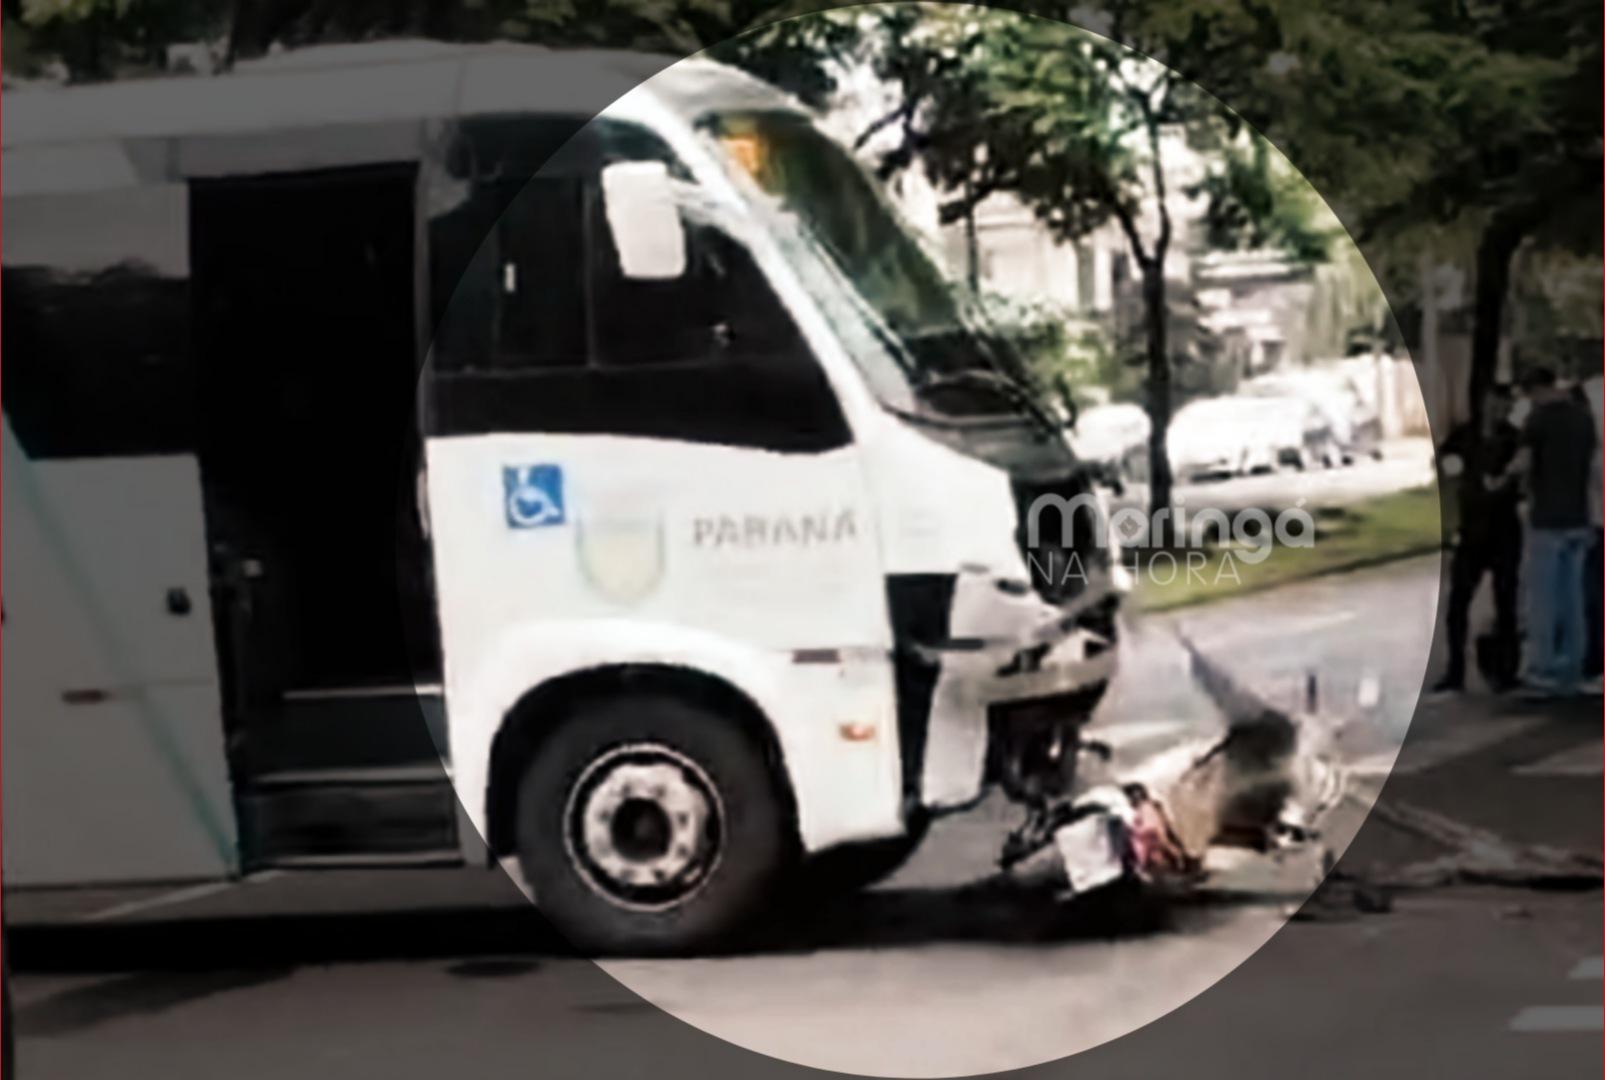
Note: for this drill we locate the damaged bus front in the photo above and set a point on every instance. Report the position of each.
(848, 525)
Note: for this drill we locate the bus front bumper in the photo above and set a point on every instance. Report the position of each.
(1019, 677)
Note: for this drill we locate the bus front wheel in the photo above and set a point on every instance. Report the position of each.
(648, 825)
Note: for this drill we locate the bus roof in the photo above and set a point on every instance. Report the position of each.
(373, 83)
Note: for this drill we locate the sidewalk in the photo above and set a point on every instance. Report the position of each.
(1529, 773)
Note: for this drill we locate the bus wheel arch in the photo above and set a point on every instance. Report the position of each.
(538, 713)
(647, 807)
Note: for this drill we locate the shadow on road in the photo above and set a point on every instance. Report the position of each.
(510, 941)
(284, 942)
(142, 994)
(997, 910)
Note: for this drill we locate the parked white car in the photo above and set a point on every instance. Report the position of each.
(1114, 437)
(1300, 432)
(1236, 436)
(1355, 425)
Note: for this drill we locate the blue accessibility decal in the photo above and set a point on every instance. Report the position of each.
(534, 495)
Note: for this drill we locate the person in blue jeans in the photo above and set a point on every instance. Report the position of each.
(1592, 394)
(1556, 458)
(1488, 540)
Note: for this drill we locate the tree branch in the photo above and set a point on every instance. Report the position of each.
(1156, 170)
(902, 113)
(1128, 225)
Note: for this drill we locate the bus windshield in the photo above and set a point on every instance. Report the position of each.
(951, 362)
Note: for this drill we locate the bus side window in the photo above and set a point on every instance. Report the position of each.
(508, 262)
(541, 331)
(517, 301)
(540, 253)
(721, 309)
(96, 329)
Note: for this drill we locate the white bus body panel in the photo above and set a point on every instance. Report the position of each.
(715, 559)
(114, 756)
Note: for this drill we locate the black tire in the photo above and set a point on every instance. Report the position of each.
(852, 867)
(748, 828)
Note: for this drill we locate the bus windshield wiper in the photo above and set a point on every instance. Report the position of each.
(993, 379)
(996, 377)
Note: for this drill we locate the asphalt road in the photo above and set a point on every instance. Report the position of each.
(944, 970)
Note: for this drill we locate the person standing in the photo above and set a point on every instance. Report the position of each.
(1594, 566)
(1557, 459)
(1488, 542)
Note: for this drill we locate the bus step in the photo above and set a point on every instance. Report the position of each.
(403, 775)
(410, 860)
(337, 816)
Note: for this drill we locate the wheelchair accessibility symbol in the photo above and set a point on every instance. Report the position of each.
(533, 495)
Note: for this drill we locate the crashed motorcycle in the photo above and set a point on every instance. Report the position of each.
(1264, 783)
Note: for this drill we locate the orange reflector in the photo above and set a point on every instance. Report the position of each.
(857, 732)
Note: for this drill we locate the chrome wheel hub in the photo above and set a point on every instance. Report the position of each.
(644, 826)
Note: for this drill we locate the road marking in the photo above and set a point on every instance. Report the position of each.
(1419, 756)
(1590, 967)
(176, 896)
(1585, 760)
(1559, 1018)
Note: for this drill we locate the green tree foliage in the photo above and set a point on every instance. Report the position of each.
(96, 39)
(1480, 117)
(1253, 203)
(1422, 122)
(99, 39)
(1071, 123)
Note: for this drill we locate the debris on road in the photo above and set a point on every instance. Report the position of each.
(1343, 896)
(1480, 857)
(1476, 857)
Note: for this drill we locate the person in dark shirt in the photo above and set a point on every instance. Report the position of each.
(1557, 459)
(1489, 538)
(1588, 395)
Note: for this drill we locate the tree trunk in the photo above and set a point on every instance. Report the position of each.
(241, 21)
(434, 18)
(972, 249)
(1441, 404)
(95, 67)
(1154, 323)
(1495, 249)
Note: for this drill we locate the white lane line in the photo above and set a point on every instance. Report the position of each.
(1559, 1018)
(176, 896)
(1590, 967)
(1584, 761)
(1429, 753)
